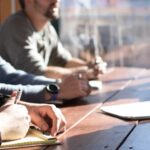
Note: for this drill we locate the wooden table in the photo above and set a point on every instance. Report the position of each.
(89, 129)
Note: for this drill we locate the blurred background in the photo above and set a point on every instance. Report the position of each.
(120, 29)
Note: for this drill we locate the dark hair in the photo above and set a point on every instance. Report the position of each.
(22, 4)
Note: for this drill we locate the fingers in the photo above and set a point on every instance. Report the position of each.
(101, 67)
(73, 87)
(85, 88)
(63, 122)
(58, 121)
(84, 84)
(48, 118)
(96, 70)
(98, 64)
(40, 121)
(82, 76)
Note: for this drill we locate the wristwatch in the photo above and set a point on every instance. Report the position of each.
(53, 89)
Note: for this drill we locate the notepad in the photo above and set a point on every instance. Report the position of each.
(96, 84)
(33, 138)
(132, 111)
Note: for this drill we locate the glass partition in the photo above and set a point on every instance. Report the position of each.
(120, 30)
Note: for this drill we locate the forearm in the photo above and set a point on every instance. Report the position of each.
(20, 77)
(75, 62)
(9, 75)
(56, 72)
(31, 93)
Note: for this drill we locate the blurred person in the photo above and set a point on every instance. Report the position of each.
(39, 89)
(29, 42)
(46, 117)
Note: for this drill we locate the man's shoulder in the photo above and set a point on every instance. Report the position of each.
(16, 25)
(19, 14)
(15, 19)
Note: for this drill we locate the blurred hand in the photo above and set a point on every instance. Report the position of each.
(91, 70)
(73, 87)
(96, 68)
(47, 117)
(15, 121)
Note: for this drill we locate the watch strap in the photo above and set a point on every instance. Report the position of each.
(54, 97)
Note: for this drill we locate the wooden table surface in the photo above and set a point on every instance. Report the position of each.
(89, 129)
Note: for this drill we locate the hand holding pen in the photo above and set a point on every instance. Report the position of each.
(96, 66)
(96, 62)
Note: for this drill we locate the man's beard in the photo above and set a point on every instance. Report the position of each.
(50, 14)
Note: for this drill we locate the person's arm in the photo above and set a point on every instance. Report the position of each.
(56, 72)
(8, 74)
(46, 117)
(31, 93)
(32, 86)
(91, 70)
(71, 67)
(75, 62)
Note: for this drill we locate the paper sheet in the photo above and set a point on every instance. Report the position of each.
(137, 110)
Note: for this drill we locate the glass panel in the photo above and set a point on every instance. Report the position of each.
(120, 29)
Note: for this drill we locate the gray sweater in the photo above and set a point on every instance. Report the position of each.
(28, 49)
(32, 86)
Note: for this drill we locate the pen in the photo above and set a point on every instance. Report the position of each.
(18, 96)
(40, 134)
(94, 50)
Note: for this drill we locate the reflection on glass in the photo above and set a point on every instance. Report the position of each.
(119, 28)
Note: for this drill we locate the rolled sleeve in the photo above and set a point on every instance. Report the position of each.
(31, 93)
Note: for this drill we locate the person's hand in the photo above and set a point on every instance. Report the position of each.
(96, 68)
(47, 117)
(90, 70)
(73, 86)
(14, 121)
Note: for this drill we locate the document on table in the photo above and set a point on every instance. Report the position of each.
(132, 111)
(96, 84)
(33, 138)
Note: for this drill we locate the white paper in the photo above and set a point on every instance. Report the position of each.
(136, 110)
(96, 84)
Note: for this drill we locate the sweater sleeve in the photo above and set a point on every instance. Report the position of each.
(31, 93)
(32, 86)
(9, 75)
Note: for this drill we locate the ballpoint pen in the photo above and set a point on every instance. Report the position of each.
(18, 96)
(93, 50)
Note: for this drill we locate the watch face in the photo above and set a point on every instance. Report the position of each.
(53, 88)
